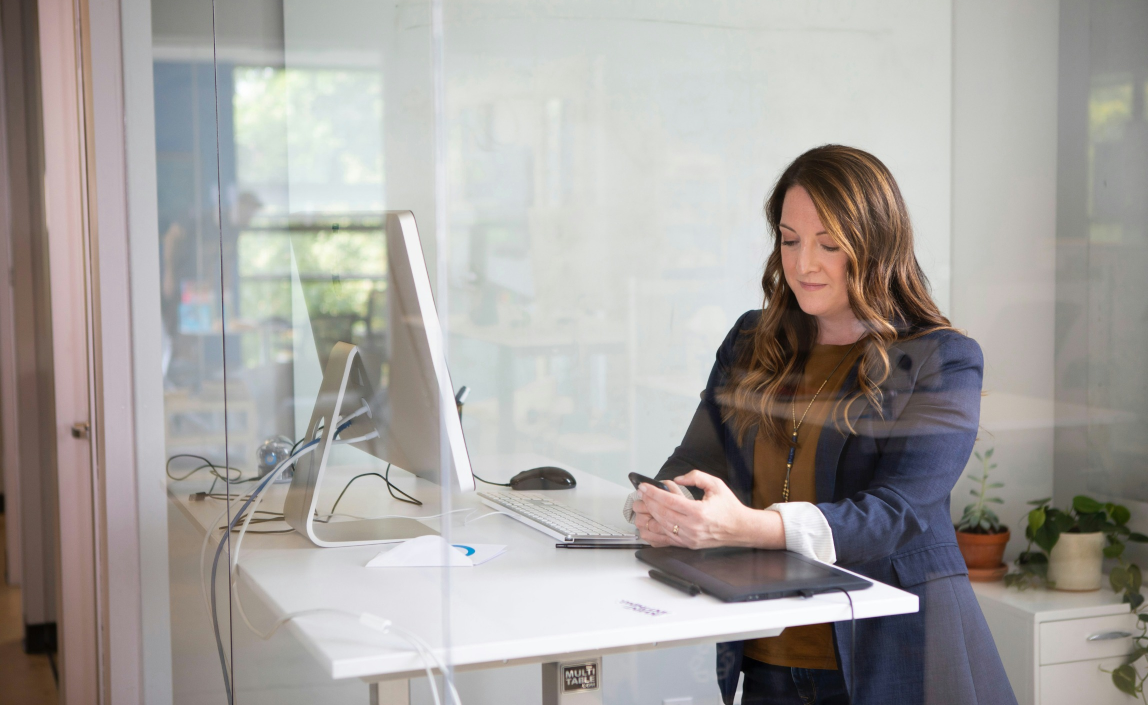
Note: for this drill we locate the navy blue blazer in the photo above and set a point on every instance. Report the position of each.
(884, 490)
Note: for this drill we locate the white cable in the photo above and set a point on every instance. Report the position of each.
(387, 627)
(239, 540)
(266, 482)
(210, 529)
(368, 619)
(357, 439)
(286, 619)
(467, 520)
(415, 639)
(247, 521)
(379, 624)
(255, 496)
(427, 516)
(364, 409)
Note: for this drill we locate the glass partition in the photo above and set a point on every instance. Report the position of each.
(204, 443)
(270, 190)
(606, 170)
(587, 181)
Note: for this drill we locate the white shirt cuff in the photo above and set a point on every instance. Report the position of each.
(807, 533)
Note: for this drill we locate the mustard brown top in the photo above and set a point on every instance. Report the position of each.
(809, 646)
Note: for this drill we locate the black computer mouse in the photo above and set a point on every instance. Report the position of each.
(544, 478)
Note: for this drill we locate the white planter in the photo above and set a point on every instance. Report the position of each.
(1075, 562)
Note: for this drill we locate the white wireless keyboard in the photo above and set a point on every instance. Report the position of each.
(553, 519)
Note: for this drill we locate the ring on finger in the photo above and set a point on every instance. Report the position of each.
(675, 528)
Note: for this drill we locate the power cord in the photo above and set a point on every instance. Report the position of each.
(255, 496)
(247, 514)
(852, 644)
(206, 464)
(390, 488)
(385, 626)
(459, 400)
(238, 479)
(852, 638)
(496, 484)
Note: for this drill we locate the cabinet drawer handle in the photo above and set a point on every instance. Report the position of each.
(1108, 636)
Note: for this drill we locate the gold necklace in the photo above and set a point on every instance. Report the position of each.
(797, 424)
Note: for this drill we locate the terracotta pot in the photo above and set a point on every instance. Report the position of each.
(982, 551)
(1075, 561)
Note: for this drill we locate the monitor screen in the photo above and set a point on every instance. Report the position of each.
(384, 307)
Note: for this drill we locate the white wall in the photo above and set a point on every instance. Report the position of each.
(1004, 229)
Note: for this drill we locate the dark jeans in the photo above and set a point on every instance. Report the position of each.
(766, 684)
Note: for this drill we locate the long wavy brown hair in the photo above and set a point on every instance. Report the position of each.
(862, 209)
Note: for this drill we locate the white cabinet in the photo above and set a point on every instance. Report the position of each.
(1081, 683)
(1054, 645)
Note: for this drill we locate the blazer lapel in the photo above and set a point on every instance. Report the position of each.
(832, 440)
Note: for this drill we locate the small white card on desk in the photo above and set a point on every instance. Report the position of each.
(428, 552)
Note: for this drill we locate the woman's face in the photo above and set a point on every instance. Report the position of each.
(815, 267)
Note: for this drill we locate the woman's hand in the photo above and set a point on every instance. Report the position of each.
(719, 519)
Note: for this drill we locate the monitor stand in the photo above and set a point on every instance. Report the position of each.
(345, 388)
(364, 531)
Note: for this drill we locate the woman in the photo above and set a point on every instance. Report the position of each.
(835, 423)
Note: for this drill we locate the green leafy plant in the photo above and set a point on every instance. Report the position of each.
(977, 517)
(1044, 526)
(1125, 676)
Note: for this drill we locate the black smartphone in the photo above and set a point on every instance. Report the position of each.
(637, 480)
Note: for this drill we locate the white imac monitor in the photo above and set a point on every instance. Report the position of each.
(406, 409)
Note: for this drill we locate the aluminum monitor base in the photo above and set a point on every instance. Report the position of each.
(364, 531)
(345, 389)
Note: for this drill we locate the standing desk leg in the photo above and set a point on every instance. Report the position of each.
(572, 682)
(391, 693)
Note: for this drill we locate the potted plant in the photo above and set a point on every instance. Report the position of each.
(1073, 545)
(1051, 528)
(980, 535)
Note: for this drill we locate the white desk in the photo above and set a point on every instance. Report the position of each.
(533, 604)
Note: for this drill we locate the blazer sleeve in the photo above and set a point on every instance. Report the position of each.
(921, 456)
(703, 446)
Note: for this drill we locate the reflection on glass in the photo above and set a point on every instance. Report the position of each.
(1102, 314)
(314, 135)
(606, 173)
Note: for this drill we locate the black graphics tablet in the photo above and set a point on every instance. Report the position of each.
(747, 574)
